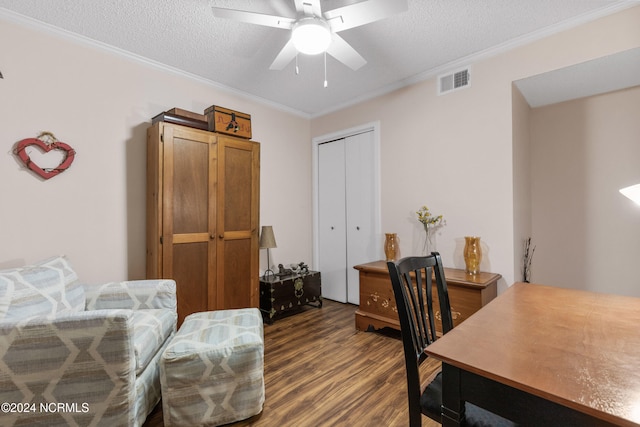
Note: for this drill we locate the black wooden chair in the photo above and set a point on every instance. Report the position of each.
(411, 278)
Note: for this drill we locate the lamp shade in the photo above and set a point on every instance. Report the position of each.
(267, 239)
(632, 192)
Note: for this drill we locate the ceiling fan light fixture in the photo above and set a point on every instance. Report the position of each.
(311, 36)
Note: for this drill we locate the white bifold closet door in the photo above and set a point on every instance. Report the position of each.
(346, 214)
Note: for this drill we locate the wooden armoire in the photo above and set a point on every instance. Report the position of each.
(202, 216)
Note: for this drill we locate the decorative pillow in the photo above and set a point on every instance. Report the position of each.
(73, 299)
(46, 288)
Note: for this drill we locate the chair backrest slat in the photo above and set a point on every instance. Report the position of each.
(411, 279)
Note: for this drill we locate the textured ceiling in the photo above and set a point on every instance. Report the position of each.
(424, 41)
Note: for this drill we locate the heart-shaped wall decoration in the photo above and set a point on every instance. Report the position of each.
(68, 154)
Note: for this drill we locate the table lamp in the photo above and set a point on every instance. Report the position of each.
(267, 241)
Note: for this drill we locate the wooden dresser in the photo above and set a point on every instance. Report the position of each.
(467, 293)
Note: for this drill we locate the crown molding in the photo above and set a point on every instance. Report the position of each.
(487, 53)
(37, 25)
(426, 75)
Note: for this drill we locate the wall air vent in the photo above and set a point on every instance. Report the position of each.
(454, 81)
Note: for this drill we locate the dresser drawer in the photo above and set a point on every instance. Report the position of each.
(467, 294)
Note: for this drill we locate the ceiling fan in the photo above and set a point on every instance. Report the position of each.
(314, 32)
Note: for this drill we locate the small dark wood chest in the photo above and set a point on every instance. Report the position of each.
(280, 295)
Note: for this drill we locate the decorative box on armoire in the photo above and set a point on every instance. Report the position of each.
(202, 216)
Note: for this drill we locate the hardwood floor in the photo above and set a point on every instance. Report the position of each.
(320, 371)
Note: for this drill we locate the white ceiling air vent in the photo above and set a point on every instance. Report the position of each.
(454, 81)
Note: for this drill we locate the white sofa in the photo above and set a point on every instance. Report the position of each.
(73, 354)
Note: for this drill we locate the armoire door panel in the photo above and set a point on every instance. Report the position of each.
(190, 271)
(190, 238)
(191, 178)
(237, 175)
(237, 274)
(237, 222)
(235, 235)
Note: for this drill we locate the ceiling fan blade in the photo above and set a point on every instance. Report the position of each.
(308, 8)
(362, 13)
(343, 52)
(254, 18)
(282, 7)
(285, 56)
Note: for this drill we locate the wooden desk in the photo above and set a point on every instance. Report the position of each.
(377, 309)
(542, 355)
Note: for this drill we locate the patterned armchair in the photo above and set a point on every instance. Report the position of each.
(72, 354)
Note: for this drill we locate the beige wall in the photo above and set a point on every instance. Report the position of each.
(586, 233)
(521, 179)
(455, 152)
(101, 103)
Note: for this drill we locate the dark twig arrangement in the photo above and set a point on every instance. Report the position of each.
(526, 260)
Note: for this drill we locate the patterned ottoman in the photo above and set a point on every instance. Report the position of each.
(212, 371)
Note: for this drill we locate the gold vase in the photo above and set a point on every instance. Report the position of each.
(472, 254)
(390, 246)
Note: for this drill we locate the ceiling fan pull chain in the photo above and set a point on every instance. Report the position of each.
(325, 69)
(297, 69)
